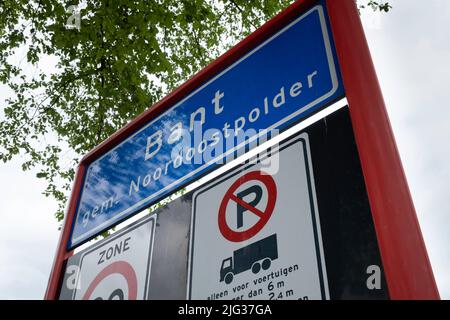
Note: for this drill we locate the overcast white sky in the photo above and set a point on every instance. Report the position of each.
(411, 50)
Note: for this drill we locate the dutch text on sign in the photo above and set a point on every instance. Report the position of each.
(116, 268)
(287, 77)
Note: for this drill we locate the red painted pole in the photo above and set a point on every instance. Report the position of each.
(405, 259)
(61, 252)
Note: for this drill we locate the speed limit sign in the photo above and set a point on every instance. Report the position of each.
(117, 268)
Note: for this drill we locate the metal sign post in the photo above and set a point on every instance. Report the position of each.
(405, 260)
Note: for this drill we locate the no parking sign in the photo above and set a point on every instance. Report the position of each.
(255, 232)
(252, 178)
(117, 268)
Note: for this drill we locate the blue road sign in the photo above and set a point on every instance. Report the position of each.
(289, 76)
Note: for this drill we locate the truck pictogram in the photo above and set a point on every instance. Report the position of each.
(255, 256)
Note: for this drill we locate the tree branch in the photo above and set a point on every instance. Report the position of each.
(242, 13)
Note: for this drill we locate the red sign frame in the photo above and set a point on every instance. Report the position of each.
(120, 267)
(405, 260)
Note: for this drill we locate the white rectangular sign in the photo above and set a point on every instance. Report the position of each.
(255, 232)
(117, 268)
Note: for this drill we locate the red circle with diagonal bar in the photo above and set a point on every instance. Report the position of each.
(238, 236)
